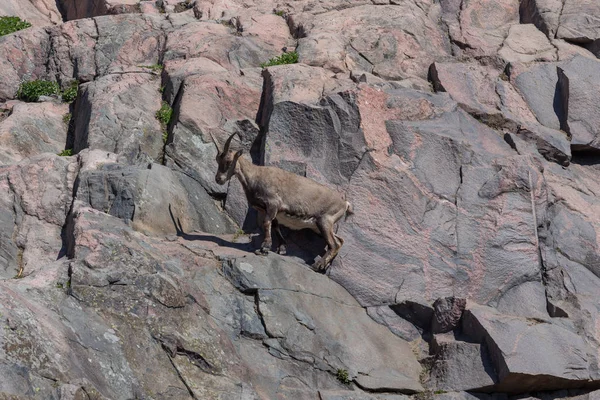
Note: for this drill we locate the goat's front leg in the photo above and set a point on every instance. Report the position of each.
(270, 214)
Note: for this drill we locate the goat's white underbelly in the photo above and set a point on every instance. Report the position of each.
(297, 223)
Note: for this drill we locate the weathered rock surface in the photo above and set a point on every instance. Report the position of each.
(563, 358)
(36, 12)
(576, 80)
(479, 27)
(464, 133)
(460, 365)
(32, 128)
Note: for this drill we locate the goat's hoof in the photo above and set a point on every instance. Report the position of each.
(319, 266)
(263, 251)
(282, 250)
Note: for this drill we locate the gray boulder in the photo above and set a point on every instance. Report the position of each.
(564, 359)
(155, 200)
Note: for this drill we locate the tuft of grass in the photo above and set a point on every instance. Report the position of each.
(12, 24)
(165, 136)
(164, 114)
(70, 93)
(440, 392)
(32, 90)
(342, 376)
(66, 153)
(281, 13)
(285, 58)
(67, 118)
(238, 234)
(153, 67)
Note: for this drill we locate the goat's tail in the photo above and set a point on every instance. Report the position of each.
(349, 211)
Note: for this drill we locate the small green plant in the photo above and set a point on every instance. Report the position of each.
(59, 285)
(12, 24)
(440, 392)
(153, 67)
(70, 93)
(67, 118)
(285, 58)
(237, 234)
(281, 13)
(342, 376)
(165, 136)
(164, 114)
(66, 153)
(32, 90)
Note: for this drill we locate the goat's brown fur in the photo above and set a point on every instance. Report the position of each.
(287, 199)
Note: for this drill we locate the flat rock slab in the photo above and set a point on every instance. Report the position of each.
(525, 43)
(33, 128)
(308, 316)
(562, 357)
(460, 365)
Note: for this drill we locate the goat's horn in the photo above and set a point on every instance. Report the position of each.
(215, 142)
(228, 142)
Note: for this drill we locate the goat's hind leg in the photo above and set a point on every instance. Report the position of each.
(333, 246)
(282, 249)
(265, 247)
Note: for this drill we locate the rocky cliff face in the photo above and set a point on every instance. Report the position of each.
(465, 133)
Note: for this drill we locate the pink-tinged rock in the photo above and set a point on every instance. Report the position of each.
(177, 70)
(525, 43)
(471, 85)
(210, 104)
(270, 29)
(36, 12)
(127, 41)
(44, 185)
(221, 44)
(482, 91)
(392, 42)
(74, 55)
(35, 197)
(22, 58)
(566, 50)
(116, 113)
(479, 27)
(542, 13)
(326, 50)
(402, 197)
(31, 129)
(225, 10)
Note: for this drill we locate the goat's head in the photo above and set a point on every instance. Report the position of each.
(226, 161)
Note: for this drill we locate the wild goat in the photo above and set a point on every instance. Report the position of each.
(285, 198)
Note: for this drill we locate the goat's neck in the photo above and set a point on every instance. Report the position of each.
(245, 172)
